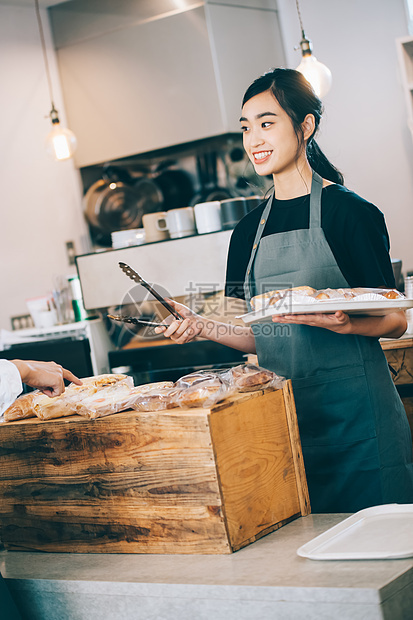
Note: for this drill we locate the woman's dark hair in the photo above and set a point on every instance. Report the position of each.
(297, 97)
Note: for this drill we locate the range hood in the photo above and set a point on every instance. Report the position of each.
(141, 75)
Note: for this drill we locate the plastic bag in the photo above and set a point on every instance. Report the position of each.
(23, 406)
(203, 388)
(117, 398)
(157, 399)
(69, 402)
(65, 404)
(249, 378)
(199, 376)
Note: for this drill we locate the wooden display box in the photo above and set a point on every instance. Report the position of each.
(175, 481)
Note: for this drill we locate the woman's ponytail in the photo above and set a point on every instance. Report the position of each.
(319, 162)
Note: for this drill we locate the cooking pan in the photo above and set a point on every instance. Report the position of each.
(112, 204)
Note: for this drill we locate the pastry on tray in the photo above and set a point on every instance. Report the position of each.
(259, 302)
(307, 294)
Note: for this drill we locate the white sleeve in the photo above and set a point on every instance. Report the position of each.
(10, 384)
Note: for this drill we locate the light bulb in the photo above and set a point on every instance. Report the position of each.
(316, 73)
(60, 143)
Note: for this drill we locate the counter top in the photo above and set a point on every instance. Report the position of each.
(404, 342)
(264, 580)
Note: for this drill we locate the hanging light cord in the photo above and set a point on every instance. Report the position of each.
(49, 81)
(299, 17)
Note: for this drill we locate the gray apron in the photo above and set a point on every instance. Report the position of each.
(356, 440)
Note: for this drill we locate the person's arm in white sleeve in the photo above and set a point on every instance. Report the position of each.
(10, 384)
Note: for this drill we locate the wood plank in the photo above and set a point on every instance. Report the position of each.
(396, 343)
(295, 441)
(255, 465)
(265, 532)
(75, 529)
(131, 441)
(192, 485)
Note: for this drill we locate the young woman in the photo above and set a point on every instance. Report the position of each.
(313, 231)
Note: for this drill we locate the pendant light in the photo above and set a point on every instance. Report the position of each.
(60, 143)
(314, 71)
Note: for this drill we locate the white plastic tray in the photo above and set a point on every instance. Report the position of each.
(380, 532)
(372, 308)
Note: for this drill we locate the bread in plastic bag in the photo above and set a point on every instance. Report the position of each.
(67, 403)
(116, 398)
(204, 392)
(106, 380)
(193, 378)
(249, 378)
(23, 406)
(157, 399)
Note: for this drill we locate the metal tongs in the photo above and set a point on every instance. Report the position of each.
(137, 278)
(131, 319)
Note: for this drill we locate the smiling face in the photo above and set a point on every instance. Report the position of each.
(269, 137)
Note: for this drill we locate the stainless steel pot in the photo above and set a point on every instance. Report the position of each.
(116, 205)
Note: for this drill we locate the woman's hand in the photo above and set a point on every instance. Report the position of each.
(182, 331)
(338, 322)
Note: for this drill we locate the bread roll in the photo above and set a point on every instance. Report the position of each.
(69, 402)
(392, 294)
(157, 400)
(65, 404)
(201, 395)
(24, 406)
(259, 302)
(248, 377)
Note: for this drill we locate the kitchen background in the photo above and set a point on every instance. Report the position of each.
(182, 85)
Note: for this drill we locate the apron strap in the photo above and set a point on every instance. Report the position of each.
(315, 201)
(247, 284)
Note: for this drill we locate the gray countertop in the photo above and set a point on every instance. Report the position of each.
(264, 580)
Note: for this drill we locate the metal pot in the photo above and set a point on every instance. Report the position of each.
(111, 206)
(117, 203)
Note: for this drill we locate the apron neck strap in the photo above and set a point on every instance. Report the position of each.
(315, 201)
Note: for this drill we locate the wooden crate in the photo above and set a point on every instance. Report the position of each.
(175, 481)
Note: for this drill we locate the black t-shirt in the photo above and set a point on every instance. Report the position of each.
(354, 228)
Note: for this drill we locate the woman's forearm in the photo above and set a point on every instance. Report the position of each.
(391, 325)
(235, 336)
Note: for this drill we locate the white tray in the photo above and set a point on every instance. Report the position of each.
(381, 532)
(371, 308)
